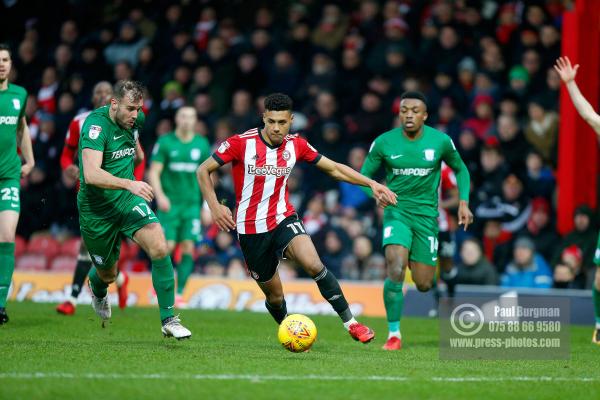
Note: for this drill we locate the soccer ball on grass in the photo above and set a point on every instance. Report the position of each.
(297, 333)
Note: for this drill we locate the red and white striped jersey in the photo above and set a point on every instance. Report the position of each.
(260, 174)
(72, 140)
(447, 182)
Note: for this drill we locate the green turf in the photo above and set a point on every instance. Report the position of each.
(229, 346)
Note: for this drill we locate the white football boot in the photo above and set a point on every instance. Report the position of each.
(101, 306)
(173, 328)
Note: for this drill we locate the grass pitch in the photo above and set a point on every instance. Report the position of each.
(237, 356)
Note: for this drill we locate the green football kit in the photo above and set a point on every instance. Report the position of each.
(106, 216)
(178, 180)
(12, 110)
(413, 172)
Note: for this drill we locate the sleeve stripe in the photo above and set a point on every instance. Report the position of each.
(316, 160)
(218, 159)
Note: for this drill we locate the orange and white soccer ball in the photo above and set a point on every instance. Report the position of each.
(297, 333)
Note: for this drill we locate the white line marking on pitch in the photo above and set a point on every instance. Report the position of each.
(258, 378)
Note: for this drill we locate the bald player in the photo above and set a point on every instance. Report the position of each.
(175, 158)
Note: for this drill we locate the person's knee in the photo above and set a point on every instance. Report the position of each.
(395, 267)
(313, 267)
(423, 285)
(159, 250)
(171, 247)
(187, 247)
(108, 276)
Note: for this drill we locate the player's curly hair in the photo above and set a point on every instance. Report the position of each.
(413, 94)
(132, 89)
(278, 102)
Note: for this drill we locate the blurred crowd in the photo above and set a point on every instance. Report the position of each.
(485, 67)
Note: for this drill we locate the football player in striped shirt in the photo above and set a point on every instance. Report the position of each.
(267, 225)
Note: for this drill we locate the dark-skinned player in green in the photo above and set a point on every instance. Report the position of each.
(412, 155)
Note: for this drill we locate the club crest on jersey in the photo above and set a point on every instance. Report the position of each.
(195, 154)
(254, 275)
(99, 260)
(429, 154)
(286, 155)
(16, 104)
(223, 147)
(95, 131)
(136, 134)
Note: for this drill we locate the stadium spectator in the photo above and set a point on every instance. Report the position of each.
(583, 235)
(541, 229)
(474, 268)
(527, 270)
(568, 273)
(542, 131)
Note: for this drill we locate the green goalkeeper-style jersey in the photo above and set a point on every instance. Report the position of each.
(413, 168)
(117, 144)
(12, 109)
(180, 161)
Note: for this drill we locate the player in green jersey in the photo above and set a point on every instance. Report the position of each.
(13, 132)
(412, 156)
(113, 205)
(567, 73)
(175, 158)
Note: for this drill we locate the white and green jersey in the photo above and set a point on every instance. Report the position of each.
(180, 161)
(12, 109)
(413, 168)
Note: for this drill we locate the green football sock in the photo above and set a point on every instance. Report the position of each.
(393, 298)
(596, 297)
(184, 270)
(163, 281)
(7, 266)
(99, 287)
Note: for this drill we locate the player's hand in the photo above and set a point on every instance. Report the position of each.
(465, 216)
(383, 196)
(26, 169)
(223, 218)
(141, 189)
(163, 203)
(565, 70)
(72, 171)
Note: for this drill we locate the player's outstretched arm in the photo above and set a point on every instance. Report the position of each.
(24, 142)
(94, 175)
(567, 74)
(341, 172)
(162, 201)
(221, 214)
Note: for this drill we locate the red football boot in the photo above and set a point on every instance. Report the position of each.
(66, 308)
(361, 332)
(122, 290)
(393, 343)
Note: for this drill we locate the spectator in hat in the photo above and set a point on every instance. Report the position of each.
(583, 235)
(568, 273)
(527, 269)
(126, 47)
(518, 81)
(482, 122)
(395, 34)
(540, 228)
(474, 268)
